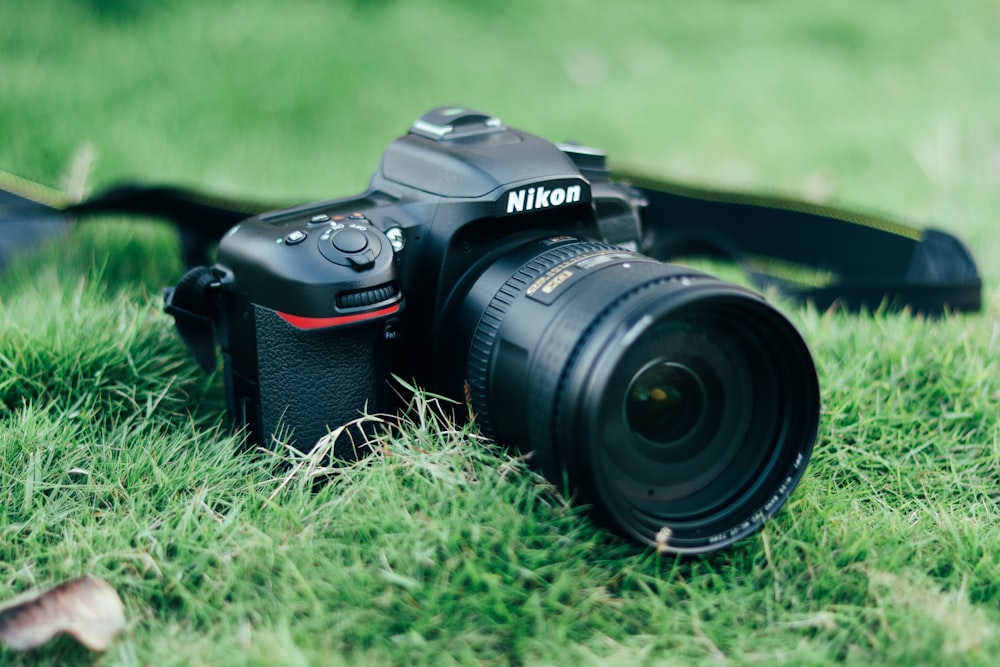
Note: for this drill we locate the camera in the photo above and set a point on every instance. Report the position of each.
(498, 269)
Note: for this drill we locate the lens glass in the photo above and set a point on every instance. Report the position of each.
(686, 415)
(665, 402)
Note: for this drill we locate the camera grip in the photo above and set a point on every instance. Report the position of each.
(313, 381)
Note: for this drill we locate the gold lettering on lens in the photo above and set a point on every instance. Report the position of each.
(551, 286)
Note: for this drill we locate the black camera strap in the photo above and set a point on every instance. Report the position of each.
(201, 219)
(808, 252)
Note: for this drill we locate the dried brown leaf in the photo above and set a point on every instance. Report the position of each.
(87, 608)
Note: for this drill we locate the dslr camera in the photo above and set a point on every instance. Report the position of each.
(493, 267)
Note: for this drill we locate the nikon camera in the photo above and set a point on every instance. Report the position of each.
(498, 269)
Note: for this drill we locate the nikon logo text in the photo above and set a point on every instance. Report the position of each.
(532, 199)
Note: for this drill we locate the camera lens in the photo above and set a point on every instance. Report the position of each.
(681, 408)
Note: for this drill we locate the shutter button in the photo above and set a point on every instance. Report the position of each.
(349, 240)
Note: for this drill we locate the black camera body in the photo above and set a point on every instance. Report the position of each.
(312, 319)
(494, 267)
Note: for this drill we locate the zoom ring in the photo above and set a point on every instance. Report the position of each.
(481, 347)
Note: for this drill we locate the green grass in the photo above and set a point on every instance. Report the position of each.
(442, 549)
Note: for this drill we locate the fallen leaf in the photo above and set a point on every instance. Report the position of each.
(87, 608)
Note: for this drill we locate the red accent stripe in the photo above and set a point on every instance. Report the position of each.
(323, 322)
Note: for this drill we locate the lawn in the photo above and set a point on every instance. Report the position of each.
(115, 458)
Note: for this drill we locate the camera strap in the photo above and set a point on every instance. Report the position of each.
(825, 255)
(829, 256)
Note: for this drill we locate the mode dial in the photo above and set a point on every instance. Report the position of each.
(351, 241)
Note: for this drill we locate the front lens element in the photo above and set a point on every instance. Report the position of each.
(665, 402)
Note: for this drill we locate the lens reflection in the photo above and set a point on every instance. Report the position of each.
(665, 402)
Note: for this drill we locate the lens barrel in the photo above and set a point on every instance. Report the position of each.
(681, 408)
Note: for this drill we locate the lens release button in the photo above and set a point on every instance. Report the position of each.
(349, 240)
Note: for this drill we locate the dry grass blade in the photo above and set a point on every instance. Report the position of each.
(317, 461)
(87, 608)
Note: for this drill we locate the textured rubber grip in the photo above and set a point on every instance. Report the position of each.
(314, 381)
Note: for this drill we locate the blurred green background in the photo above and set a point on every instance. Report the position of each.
(886, 553)
(887, 105)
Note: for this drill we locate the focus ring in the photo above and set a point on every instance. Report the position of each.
(484, 337)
